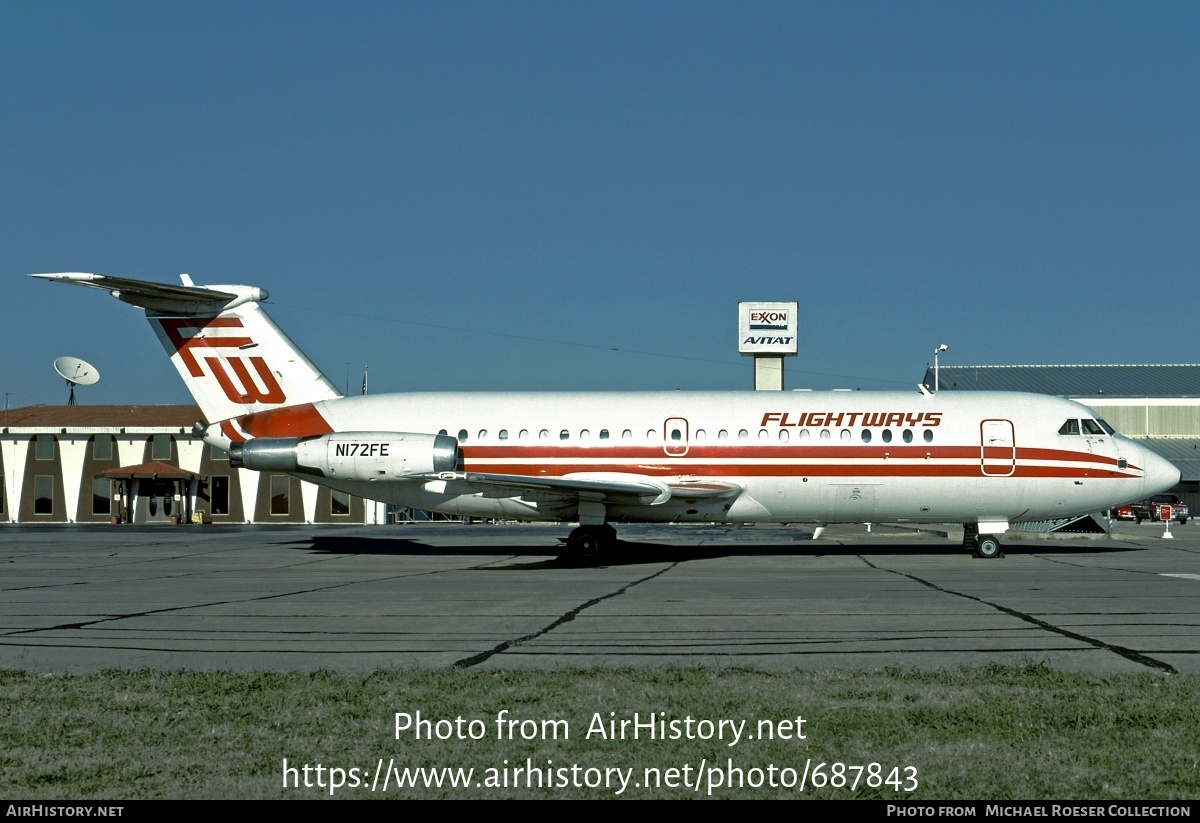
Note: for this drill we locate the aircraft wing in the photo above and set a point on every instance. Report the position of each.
(598, 486)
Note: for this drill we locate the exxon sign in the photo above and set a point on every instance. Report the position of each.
(767, 328)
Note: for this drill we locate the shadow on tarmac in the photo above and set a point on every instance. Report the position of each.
(627, 553)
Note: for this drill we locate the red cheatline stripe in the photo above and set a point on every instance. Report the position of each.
(817, 470)
(779, 451)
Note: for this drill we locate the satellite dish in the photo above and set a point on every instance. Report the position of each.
(77, 373)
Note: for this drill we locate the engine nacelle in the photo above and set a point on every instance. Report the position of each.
(350, 455)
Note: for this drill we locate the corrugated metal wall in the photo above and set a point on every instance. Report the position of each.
(1152, 421)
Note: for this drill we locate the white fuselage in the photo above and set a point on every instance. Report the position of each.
(818, 457)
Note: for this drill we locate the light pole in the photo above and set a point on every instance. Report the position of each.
(936, 352)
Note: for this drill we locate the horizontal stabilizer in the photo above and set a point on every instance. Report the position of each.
(163, 298)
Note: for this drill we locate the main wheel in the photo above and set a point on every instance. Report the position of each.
(987, 546)
(586, 544)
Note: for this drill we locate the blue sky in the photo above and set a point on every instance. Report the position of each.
(576, 195)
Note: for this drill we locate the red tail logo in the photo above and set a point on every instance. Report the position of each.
(248, 391)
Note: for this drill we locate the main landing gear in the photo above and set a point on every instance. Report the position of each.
(986, 546)
(587, 544)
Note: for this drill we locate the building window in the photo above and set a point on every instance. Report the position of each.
(43, 494)
(280, 484)
(339, 503)
(2, 492)
(218, 490)
(101, 504)
(44, 448)
(217, 453)
(161, 450)
(102, 447)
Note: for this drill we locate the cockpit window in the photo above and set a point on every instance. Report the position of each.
(1070, 427)
(1091, 427)
(1109, 429)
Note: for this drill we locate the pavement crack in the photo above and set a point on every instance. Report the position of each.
(475, 660)
(1122, 651)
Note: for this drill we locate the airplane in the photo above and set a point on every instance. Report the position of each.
(983, 459)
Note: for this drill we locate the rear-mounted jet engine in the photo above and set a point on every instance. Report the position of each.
(350, 455)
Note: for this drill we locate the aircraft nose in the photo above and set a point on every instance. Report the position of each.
(1161, 473)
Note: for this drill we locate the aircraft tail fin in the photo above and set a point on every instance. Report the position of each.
(232, 357)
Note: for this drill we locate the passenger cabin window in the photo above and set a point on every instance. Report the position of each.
(1070, 427)
(564, 435)
(502, 434)
(604, 434)
(462, 435)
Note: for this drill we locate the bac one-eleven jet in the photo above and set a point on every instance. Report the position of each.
(983, 459)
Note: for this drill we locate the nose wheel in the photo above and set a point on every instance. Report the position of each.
(588, 544)
(987, 546)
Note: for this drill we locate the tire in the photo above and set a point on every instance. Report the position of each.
(987, 547)
(587, 544)
(1182, 520)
